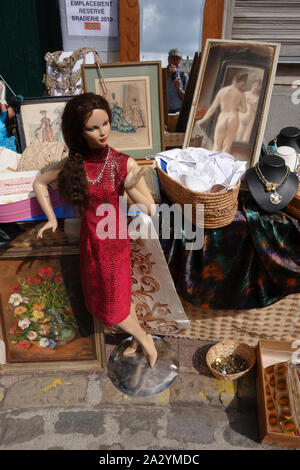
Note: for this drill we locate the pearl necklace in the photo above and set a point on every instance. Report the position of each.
(275, 197)
(101, 172)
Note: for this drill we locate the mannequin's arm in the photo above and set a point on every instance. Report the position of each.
(40, 187)
(136, 186)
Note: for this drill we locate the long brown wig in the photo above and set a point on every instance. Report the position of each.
(72, 182)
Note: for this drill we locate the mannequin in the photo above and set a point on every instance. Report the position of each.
(271, 183)
(94, 174)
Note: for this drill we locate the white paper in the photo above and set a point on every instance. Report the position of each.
(92, 18)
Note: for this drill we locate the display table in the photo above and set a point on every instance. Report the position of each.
(251, 263)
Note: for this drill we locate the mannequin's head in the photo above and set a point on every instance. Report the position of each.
(76, 113)
(72, 182)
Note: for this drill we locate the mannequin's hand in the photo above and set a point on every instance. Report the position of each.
(132, 177)
(51, 224)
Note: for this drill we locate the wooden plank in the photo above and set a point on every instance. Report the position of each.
(34, 252)
(129, 26)
(268, 22)
(212, 21)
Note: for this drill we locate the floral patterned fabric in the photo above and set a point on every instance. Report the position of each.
(251, 263)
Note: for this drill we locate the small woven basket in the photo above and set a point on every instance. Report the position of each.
(225, 348)
(219, 208)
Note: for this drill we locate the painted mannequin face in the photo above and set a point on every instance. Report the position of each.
(97, 129)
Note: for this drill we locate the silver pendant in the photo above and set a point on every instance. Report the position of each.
(275, 198)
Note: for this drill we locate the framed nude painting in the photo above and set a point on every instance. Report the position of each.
(39, 120)
(44, 323)
(232, 97)
(134, 91)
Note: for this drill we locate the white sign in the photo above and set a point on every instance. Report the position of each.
(92, 17)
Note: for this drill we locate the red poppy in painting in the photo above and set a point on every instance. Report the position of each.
(33, 281)
(58, 279)
(46, 272)
(25, 344)
(14, 289)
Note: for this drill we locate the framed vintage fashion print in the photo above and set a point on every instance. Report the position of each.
(232, 97)
(134, 91)
(44, 325)
(39, 120)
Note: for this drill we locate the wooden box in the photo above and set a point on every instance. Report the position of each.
(269, 353)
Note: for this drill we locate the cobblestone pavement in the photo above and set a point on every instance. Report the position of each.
(83, 410)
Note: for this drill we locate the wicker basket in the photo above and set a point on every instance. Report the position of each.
(219, 208)
(225, 348)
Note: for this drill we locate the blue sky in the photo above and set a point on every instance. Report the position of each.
(170, 23)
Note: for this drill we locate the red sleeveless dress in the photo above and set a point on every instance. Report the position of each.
(105, 262)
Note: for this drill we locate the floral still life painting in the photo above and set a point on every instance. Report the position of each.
(42, 311)
(43, 315)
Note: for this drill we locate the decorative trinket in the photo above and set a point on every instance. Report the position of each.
(96, 180)
(232, 364)
(275, 197)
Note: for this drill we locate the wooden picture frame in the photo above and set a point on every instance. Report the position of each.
(134, 91)
(44, 325)
(247, 70)
(188, 96)
(39, 119)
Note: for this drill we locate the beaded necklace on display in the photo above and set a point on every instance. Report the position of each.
(275, 197)
(101, 172)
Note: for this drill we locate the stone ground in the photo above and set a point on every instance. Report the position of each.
(84, 411)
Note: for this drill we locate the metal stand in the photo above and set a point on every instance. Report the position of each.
(133, 376)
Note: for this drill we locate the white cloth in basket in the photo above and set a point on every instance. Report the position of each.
(200, 169)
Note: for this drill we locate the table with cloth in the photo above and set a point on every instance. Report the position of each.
(251, 263)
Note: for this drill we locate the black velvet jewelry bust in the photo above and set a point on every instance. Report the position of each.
(271, 184)
(290, 137)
